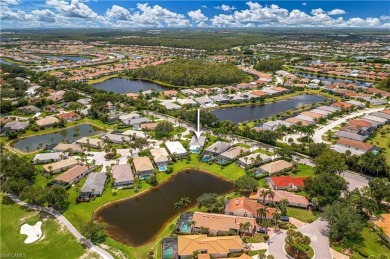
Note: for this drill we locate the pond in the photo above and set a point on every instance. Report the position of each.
(250, 113)
(138, 220)
(70, 135)
(72, 58)
(2, 61)
(123, 85)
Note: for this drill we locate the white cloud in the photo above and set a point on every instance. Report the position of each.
(304, 4)
(204, 6)
(384, 18)
(73, 9)
(359, 22)
(118, 13)
(44, 15)
(197, 16)
(226, 8)
(337, 12)
(9, 2)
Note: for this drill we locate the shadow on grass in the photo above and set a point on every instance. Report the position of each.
(7, 200)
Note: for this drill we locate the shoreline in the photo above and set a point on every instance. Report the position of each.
(93, 216)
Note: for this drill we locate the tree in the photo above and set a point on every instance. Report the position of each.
(71, 96)
(94, 232)
(262, 214)
(325, 187)
(34, 195)
(58, 198)
(246, 184)
(385, 84)
(271, 65)
(297, 241)
(379, 189)
(182, 204)
(163, 129)
(276, 217)
(364, 204)
(208, 200)
(283, 205)
(344, 221)
(245, 226)
(330, 162)
(315, 149)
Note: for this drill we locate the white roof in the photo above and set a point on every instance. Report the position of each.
(342, 149)
(175, 147)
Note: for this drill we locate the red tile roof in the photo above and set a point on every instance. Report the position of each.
(362, 123)
(68, 115)
(355, 144)
(286, 181)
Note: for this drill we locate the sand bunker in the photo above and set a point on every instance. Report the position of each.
(33, 232)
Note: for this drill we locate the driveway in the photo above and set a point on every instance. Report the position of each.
(321, 131)
(355, 180)
(317, 233)
(100, 160)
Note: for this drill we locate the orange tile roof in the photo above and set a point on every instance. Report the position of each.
(355, 144)
(285, 181)
(362, 123)
(259, 93)
(71, 174)
(248, 205)
(220, 222)
(384, 223)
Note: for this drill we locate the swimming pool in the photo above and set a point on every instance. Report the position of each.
(168, 252)
(206, 158)
(185, 227)
(195, 151)
(162, 168)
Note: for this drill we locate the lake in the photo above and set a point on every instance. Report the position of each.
(73, 58)
(136, 221)
(70, 134)
(250, 113)
(123, 85)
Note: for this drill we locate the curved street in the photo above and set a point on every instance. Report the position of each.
(318, 236)
(103, 253)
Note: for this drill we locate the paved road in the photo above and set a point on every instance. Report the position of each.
(321, 131)
(319, 241)
(355, 180)
(103, 253)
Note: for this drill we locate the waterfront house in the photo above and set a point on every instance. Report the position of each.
(221, 224)
(214, 247)
(93, 186)
(186, 101)
(58, 166)
(273, 125)
(217, 148)
(350, 135)
(231, 154)
(90, 142)
(330, 109)
(204, 101)
(160, 156)
(72, 175)
(71, 148)
(286, 182)
(47, 121)
(44, 158)
(275, 167)
(143, 167)
(122, 175)
(294, 200)
(69, 116)
(176, 148)
(253, 159)
(115, 138)
(196, 144)
(358, 145)
(188, 92)
(170, 93)
(245, 207)
(14, 126)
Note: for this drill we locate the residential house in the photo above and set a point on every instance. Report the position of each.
(188, 92)
(93, 186)
(47, 121)
(122, 175)
(245, 207)
(253, 159)
(176, 148)
(135, 134)
(330, 109)
(231, 154)
(273, 125)
(217, 148)
(72, 175)
(160, 156)
(127, 117)
(294, 200)
(350, 135)
(29, 109)
(381, 115)
(171, 106)
(44, 158)
(58, 166)
(71, 148)
(221, 224)
(15, 126)
(90, 142)
(149, 126)
(286, 182)
(69, 116)
(115, 138)
(186, 101)
(170, 93)
(275, 167)
(135, 123)
(354, 144)
(143, 167)
(215, 247)
(197, 144)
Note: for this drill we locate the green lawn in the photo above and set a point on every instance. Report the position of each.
(369, 244)
(381, 138)
(301, 214)
(256, 238)
(56, 243)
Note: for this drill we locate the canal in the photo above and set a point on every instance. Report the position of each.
(250, 113)
(72, 58)
(69, 134)
(138, 220)
(123, 85)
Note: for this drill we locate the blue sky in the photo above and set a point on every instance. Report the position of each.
(160, 14)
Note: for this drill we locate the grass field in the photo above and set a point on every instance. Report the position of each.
(301, 214)
(381, 139)
(370, 244)
(56, 241)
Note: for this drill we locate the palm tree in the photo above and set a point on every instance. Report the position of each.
(178, 206)
(283, 204)
(276, 217)
(264, 194)
(271, 194)
(185, 201)
(245, 226)
(50, 169)
(262, 214)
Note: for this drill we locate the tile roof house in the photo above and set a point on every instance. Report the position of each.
(231, 154)
(15, 126)
(354, 144)
(72, 175)
(275, 167)
(47, 121)
(384, 223)
(286, 182)
(115, 138)
(160, 156)
(220, 246)
(217, 148)
(94, 185)
(170, 93)
(60, 165)
(251, 159)
(149, 126)
(350, 135)
(44, 158)
(123, 175)
(72, 148)
(69, 116)
(143, 167)
(29, 109)
(197, 144)
(176, 148)
(245, 207)
(221, 223)
(92, 142)
(293, 199)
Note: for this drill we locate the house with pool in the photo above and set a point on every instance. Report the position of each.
(253, 160)
(143, 167)
(160, 157)
(214, 150)
(197, 144)
(176, 149)
(123, 175)
(230, 155)
(59, 166)
(93, 186)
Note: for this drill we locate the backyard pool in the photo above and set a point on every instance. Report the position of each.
(162, 168)
(206, 158)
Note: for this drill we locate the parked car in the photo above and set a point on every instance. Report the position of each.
(285, 218)
(262, 230)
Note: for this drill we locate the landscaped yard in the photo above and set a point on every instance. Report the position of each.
(381, 139)
(57, 242)
(302, 214)
(256, 238)
(370, 244)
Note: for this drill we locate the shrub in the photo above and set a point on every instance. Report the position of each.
(363, 252)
